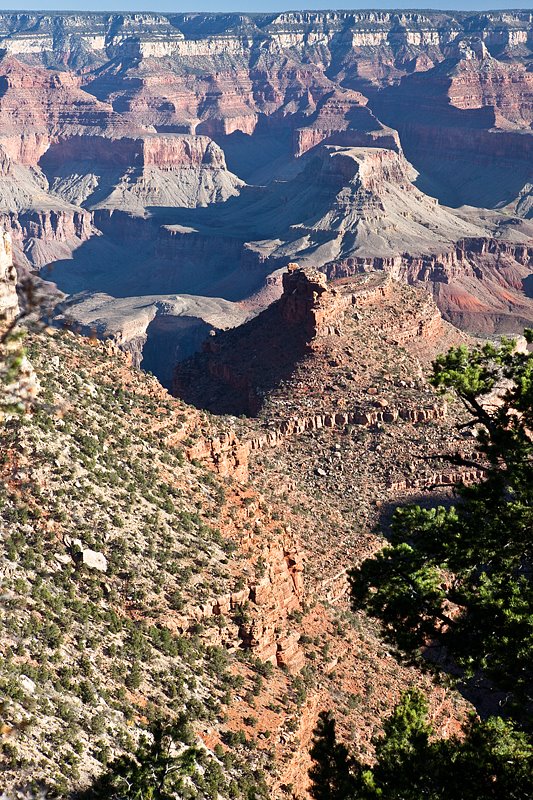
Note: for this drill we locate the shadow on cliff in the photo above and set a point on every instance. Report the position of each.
(101, 265)
(266, 212)
(169, 340)
(239, 368)
(258, 158)
(527, 285)
(221, 250)
(196, 251)
(143, 260)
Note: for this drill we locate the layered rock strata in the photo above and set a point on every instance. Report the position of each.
(223, 378)
(131, 126)
(474, 110)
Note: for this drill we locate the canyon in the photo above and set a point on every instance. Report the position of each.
(151, 161)
(251, 235)
(212, 551)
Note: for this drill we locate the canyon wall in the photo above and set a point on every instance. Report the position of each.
(84, 39)
(197, 154)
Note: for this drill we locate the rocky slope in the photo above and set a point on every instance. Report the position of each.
(143, 569)
(342, 421)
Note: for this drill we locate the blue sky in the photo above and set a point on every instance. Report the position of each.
(258, 5)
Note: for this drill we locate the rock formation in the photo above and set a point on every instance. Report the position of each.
(196, 154)
(244, 370)
(342, 419)
(61, 149)
(354, 209)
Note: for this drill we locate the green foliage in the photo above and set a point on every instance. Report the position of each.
(460, 577)
(330, 774)
(158, 769)
(398, 751)
(489, 761)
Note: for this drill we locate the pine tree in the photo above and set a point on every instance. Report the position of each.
(460, 577)
(157, 770)
(403, 752)
(330, 773)
(488, 761)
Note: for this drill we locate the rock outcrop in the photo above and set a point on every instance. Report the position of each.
(38, 106)
(242, 369)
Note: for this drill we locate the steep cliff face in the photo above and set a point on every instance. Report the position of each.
(478, 81)
(38, 106)
(133, 175)
(61, 148)
(343, 118)
(48, 123)
(479, 285)
(42, 237)
(471, 110)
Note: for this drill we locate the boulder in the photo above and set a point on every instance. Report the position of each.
(94, 560)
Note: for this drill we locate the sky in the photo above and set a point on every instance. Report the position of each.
(258, 5)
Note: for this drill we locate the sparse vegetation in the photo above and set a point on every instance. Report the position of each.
(107, 660)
